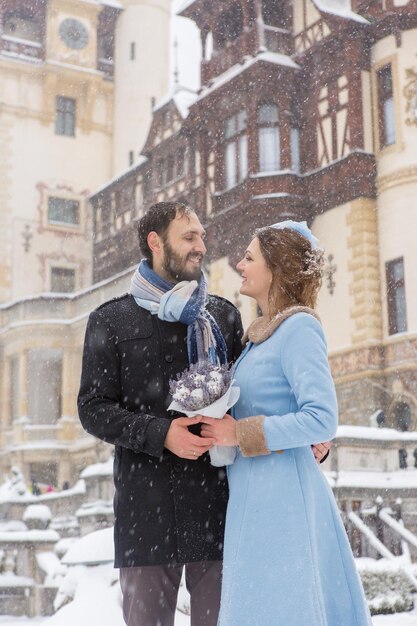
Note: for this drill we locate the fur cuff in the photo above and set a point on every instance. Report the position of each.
(251, 436)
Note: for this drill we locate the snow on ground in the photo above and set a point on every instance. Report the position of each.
(399, 619)
(89, 592)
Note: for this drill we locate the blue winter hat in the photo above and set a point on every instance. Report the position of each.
(299, 227)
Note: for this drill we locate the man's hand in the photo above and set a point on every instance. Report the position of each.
(184, 444)
(320, 450)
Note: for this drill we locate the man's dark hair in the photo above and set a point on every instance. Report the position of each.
(157, 219)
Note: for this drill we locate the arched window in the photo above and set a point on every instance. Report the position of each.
(269, 138)
(229, 25)
(402, 416)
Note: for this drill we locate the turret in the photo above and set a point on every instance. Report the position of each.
(141, 74)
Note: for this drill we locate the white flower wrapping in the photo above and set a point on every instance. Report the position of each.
(193, 394)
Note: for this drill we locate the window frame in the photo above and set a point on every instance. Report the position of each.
(235, 131)
(63, 223)
(399, 140)
(268, 125)
(63, 269)
(394, 284)
(386, 118)
(65, 119)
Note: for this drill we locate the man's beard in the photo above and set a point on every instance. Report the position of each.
(174, 265)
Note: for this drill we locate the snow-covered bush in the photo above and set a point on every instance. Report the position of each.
(387, 591)
(13, 486)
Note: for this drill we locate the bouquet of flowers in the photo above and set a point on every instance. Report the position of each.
(206, 389)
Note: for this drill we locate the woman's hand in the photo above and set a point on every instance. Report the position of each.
(222, 430)
(320, 450)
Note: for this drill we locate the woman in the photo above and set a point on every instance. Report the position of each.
(287, 559)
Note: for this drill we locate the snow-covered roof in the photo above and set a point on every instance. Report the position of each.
(69, 296)
(141, 160)
(270, 57)
(339, 8)
(93, 549)
(183, 99)
(368, 432)
(185, 5)
(114, 4)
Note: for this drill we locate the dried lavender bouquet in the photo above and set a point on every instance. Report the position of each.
(206, 389)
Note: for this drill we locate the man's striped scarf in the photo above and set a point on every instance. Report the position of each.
(182, 302)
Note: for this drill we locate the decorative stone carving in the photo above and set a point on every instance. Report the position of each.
(410, 93)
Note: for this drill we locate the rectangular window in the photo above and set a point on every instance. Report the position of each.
(132, 51)
(63, 211)
(131, 157)
(295, 150)
(65, 116)
(180, 164)
(397, 309)
(269, 138)
(269, 149)
(231, 170)
(243, 157)
(170, 168)
(386, 107)
(44, 385)
(62, 280)
(14, 372)
(236, 149)
(160, 173)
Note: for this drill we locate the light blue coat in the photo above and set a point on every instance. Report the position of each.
(287, 559)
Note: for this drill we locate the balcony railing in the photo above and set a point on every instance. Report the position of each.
(277, 40)
(257, 38)
(21, 47)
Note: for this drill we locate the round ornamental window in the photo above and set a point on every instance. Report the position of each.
(73, 33)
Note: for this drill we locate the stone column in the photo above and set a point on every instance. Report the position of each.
(364, 270)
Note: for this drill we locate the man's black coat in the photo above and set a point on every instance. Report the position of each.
(167, 509)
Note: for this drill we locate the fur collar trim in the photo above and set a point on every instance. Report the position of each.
(261, 328)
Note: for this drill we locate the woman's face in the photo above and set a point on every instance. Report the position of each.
(256, 275)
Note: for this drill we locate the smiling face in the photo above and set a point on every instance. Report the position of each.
(179, 254)
(256, 275)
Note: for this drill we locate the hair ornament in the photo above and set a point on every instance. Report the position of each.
(299, 227)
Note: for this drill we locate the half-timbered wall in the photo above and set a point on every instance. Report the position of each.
(309, 25)
(333, 132)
